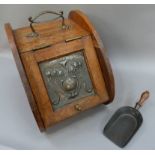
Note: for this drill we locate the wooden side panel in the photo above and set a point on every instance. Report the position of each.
(83, 21)
(23, 76)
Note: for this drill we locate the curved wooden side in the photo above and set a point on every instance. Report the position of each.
(25, 81)
(82, 20)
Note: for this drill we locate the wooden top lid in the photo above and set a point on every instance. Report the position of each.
(49, 33)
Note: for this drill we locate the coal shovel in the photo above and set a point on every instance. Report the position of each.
(125, 123)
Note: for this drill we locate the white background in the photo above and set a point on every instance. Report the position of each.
(128, 33)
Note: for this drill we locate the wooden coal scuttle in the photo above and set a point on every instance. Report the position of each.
(63, 66)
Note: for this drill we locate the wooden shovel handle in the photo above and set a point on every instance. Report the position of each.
(144, 96)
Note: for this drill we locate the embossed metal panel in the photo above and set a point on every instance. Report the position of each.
(66, 79)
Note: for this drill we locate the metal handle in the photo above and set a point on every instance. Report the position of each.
(33, 20)
(144, 96)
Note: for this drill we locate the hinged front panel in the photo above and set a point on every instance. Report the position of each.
(66, 79)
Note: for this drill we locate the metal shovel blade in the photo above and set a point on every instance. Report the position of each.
(123, 125)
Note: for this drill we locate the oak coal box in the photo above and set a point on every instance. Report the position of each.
(63, 66)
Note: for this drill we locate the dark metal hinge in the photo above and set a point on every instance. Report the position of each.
(74, 38)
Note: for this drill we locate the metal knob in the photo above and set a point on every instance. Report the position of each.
(78, 107)
(70, 84)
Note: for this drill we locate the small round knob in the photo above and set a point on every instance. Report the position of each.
(70, 84)
(78, 107)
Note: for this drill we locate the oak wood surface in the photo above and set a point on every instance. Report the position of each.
(23, 76)
(50, 33)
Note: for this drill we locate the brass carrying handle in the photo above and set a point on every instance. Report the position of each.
(144, 96)
(33, 20)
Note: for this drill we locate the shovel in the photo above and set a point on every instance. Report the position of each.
(125, 122)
